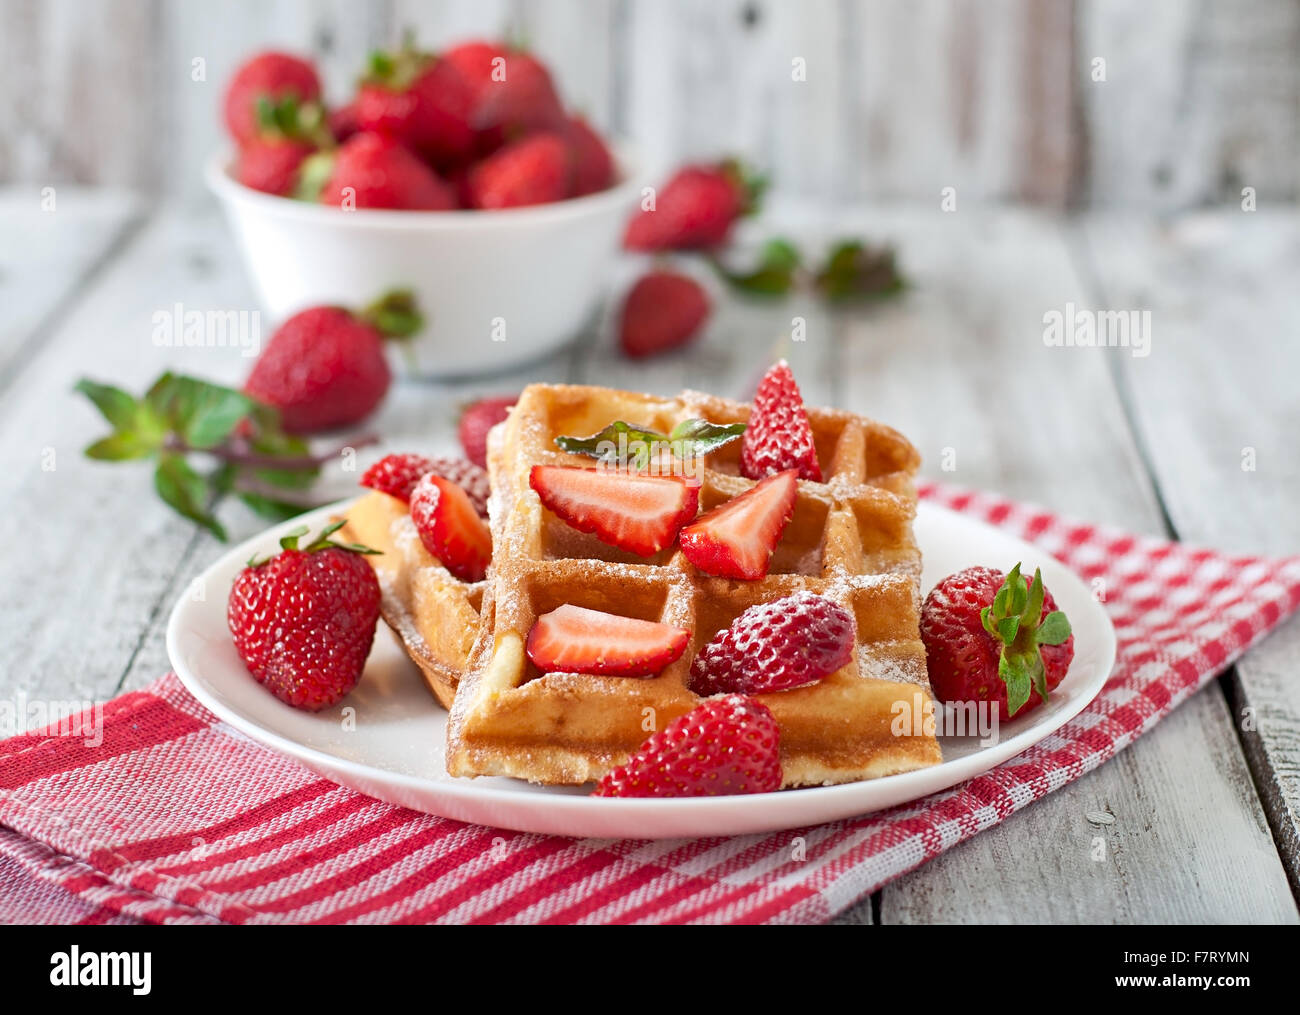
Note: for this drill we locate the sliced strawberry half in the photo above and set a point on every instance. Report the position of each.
(573, 639)
(736, 539)
(450, 528)
(640, 514)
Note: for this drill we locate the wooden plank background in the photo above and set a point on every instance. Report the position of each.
(998, 99)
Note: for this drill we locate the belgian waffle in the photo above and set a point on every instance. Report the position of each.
(432, 612)
(850, 539)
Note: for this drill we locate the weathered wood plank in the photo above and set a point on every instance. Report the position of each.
(1216, 406)
(46, 251)
(1198, 101)
(961, 367)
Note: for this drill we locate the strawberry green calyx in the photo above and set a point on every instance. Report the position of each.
(293, 120)
(1014, 620)
(314, 172)
(750, 185)
(394, 314)
(397, 70)
(290, 540)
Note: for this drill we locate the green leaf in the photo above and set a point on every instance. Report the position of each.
(619, 441)
(125, 445)
(1000, 601)
(395, 314)
(116, 405)
(1007, 629)
(266, 507)
(752, 185)
(185, 491)
(1054, 630)
(1017, 680)
(203, 414)
(289, 541)
(773, 275)
(855, 271)
(1034, 609)
(1019, 594)
(1038, 674)
(313, 173)
(703, 438)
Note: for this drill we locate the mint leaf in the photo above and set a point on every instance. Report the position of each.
(1054, 630)
(700, 437)
(125, 445)
(116, 405)
(773, 275)
(185, 491)
(855, 271)
(203, 414)
(624, 443)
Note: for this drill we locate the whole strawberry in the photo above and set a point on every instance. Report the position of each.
(268, 77)
(512, 92)
(593, 166)
(396, 475)
(663, 311)
(993, 637)
(477, 420)
(325, 367)
(778, 435)
(304, 620)
(535, 170)
(695, 210)
(725, 746)
(775, 646)
(420, 100)
(372, 170)
(271, 164)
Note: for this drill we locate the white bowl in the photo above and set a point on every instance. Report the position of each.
(497, 288)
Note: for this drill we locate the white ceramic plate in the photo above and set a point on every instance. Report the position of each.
(396, 750)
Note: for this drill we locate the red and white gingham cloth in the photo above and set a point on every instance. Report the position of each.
(177, 818)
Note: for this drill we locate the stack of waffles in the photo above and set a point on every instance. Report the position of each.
(849, 539)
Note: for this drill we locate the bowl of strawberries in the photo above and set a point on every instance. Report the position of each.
(459, 176)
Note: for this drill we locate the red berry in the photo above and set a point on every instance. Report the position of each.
(571, 639)
(343, 122)
(964, 655)
(477, 420)
(423, 102)
(374, 171)
(778, 435)
(450, 527)
(303, 622)
(323, 368)
(396, 475)
(271, 164)
(736, 539)
(724, 746)
(512, 92)
(694, 210)
(535, 170)
(593, 166)
(640, 514)
(662, 311)
(271, 76)
(775, 646)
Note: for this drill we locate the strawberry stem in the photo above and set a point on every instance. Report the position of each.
(1015, 620)
(394, 314)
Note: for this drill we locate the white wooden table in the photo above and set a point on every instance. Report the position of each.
(1207, 815)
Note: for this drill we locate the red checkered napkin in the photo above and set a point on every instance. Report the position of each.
(177, 818)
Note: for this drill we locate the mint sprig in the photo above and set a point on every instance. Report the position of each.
(622, 443)
(181, 418)
(1015, 620)
(855, 271)
(774, 274)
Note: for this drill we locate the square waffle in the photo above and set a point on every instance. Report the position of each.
(850, 539)
(433, 613)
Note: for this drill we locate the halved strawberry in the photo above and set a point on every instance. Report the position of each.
(450, 528)
(573, 639)
(640, 514)
(736, 539)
